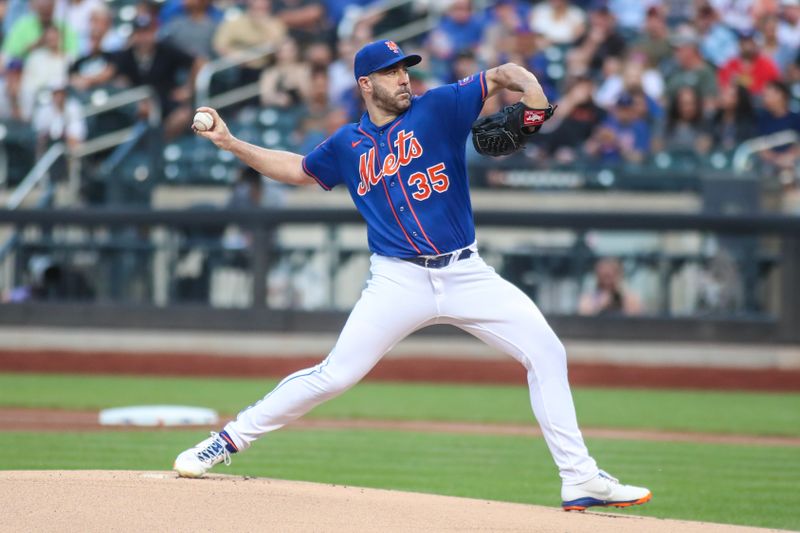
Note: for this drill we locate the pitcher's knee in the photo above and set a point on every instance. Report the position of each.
(558, 350)
(550, 353)
(333, 383)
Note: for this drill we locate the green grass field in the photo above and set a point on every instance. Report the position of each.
(721, 483)
(710, 412)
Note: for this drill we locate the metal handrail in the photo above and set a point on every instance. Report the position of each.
(91, 146)
(202, 82)
(741, 157)
(127, 97)
(36, 175)
(114, 138)
(40, 170)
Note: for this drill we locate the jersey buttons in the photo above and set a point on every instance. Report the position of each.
(402, 208)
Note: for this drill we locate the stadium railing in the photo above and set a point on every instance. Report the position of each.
(131, 259)
(741, 157)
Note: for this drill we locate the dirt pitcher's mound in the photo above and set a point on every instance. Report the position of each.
(159, 501)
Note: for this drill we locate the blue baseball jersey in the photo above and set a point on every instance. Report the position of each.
(408, 178)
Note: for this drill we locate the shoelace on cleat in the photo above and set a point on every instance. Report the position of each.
(605, 475)
(214, 450)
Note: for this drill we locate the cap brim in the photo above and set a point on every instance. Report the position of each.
(410, 60)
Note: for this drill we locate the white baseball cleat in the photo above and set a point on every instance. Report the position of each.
(196, 461)
(602, 490)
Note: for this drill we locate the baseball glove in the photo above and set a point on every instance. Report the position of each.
(506, 131)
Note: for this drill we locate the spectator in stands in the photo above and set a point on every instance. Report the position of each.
(751, 68)
(44, 65)
(193, 30)
(316, 102)
(509, 18)
(559, 21)
(318, 54)
(654, 41)
(59, 120)
(793, 73)
(623, 137)
(12, 11)
(27, 33)
(177, 8)
(306, 19)
(601, 41)
(3, 13)
(771, 46)
(789, 25)
(685, 129)
(611, 84)
(646, 108)
(314, 132)
(465, 65)
(94, 69)
(256, 26)
(458, 31)
(5, 105)
(510, 40)
(337, 9)
(101, 22)
(631, 74)
(152, 9)
(736, 14)
(734, 121)
(77, 15)
(577, 118)
(718, 43)
(631, 15)
(286, 83)
(419, 80)
(609, 296)
(166, 68)
(776, 117)
(341, 81)
(691, 69)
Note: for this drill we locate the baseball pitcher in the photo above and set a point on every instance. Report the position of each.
(404, 166)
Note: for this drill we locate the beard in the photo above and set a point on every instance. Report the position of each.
(394, 103)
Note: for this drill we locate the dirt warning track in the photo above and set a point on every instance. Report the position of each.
(408, 369)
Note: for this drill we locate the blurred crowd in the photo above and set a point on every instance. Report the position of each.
(633, 78)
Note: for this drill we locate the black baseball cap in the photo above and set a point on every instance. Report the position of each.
(379, 55)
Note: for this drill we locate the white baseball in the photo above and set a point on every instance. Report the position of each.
(203, 121)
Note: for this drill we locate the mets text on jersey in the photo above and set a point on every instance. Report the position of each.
(408, 149)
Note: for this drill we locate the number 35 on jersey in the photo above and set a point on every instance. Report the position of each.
(408, 148)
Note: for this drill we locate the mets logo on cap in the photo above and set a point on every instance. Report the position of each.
(393, 46)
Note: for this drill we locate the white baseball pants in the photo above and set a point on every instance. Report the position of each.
(401, 297)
